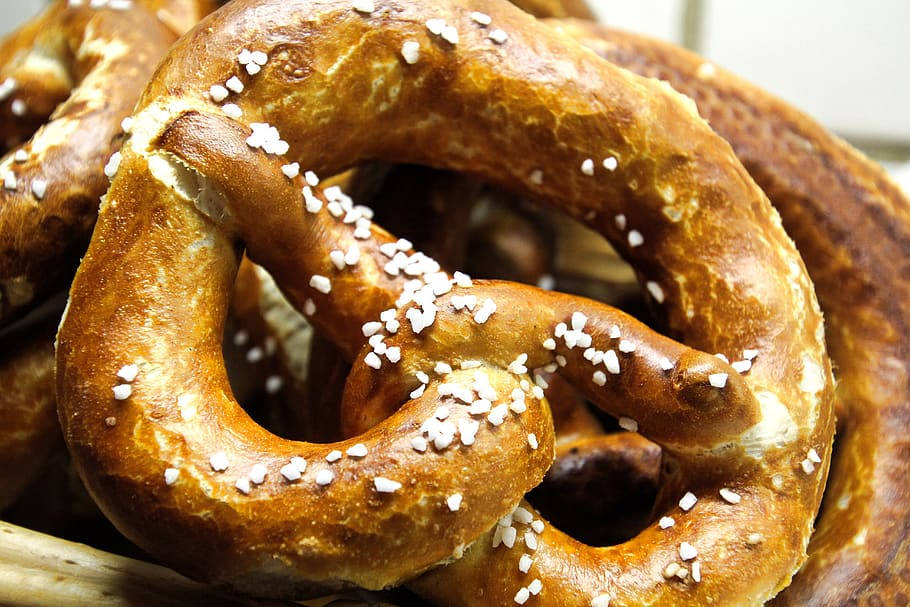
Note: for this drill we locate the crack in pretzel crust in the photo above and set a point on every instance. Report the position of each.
(850, 223)
(529, 110)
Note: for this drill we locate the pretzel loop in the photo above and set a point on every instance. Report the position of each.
(194, 185)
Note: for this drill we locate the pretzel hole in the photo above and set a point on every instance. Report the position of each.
(601, 490)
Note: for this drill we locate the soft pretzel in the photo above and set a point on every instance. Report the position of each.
(443, 214)
(852, 227)
(340, 86)
(81, 65)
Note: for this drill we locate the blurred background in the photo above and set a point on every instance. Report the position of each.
(846, 63)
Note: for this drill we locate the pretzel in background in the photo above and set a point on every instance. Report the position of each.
(70, 78)
(75, 71)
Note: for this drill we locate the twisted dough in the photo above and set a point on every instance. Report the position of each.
(340, 87)
(852, 227)
(82, 68)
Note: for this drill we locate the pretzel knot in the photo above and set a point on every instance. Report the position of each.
(217, 160)
(75, 71)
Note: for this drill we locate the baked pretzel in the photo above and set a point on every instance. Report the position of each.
(852, 227)
(80, 66)
(271, 351)
(341, 85)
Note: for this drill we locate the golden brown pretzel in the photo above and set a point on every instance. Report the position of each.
(444, 215)
(852, 227)
(192, 187)
(82, 68)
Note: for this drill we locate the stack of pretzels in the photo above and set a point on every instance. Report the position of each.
(409, 415)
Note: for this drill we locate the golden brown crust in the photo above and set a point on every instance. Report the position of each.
(852, 227)
(351, 545)
(190, 189)
(49, 200)
(83, 68)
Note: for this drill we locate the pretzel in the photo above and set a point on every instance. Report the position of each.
(167, 242)
(852, 226)
(96, 58)
(272, 353)
(82, 68)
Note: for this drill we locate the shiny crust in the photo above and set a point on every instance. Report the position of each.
(356, 535)
(80, 70)
(852, 227)
(172, 254)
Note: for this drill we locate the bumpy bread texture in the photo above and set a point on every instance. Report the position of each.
(458, 221)
(76, 72)
(851, 224)
(525, 112)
